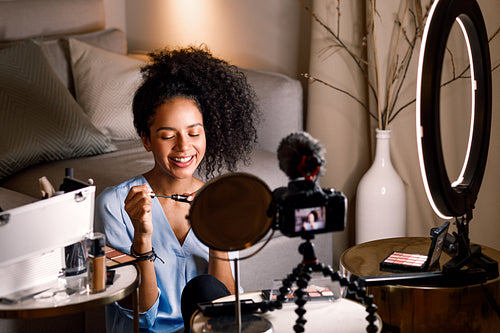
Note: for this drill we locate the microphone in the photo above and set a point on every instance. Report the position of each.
(301, 155)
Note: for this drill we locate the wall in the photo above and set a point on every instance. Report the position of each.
(258, 34)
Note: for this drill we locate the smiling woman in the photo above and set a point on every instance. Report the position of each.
(194, 113)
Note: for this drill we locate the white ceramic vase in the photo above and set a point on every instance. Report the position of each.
(380, 197)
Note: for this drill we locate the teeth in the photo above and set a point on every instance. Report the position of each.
(182, 159)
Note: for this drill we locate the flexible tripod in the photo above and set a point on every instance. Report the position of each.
(302, 275)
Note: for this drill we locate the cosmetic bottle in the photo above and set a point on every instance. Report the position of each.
(96, 263)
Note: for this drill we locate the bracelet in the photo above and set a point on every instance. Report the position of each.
(150, 255)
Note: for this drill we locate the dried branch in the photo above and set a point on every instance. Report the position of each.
(357, 60)
(314, 79)
(399, 67)
(395, 65)
(338, 18)
(375, 55)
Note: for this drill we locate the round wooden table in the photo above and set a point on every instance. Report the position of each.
(424, 309)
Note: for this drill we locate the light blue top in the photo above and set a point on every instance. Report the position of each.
(182, 263)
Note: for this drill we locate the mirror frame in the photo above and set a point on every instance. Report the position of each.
(452, 200)
(199, 217)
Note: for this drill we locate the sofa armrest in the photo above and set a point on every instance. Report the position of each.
(280, 100)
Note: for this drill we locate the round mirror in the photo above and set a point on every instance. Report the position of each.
(453, 198)
(229, 213)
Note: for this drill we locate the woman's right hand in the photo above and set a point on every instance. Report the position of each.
(138, 207)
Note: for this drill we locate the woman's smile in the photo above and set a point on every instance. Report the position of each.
(182, 162)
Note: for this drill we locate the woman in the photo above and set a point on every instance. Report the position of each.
(195, 113)
(310, 222)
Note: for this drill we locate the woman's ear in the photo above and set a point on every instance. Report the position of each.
(146, 141)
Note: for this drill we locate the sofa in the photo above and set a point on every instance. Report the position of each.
(66, 84)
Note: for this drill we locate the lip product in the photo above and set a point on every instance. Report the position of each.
(97, 263)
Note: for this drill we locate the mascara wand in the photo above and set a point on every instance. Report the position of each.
(176, 197)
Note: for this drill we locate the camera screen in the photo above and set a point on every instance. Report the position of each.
(309, 219)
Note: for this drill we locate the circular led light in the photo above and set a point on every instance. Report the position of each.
(453, 199)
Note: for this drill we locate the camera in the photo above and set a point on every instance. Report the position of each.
(304, 209)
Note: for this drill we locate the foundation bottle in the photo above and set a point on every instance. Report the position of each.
(96, 263)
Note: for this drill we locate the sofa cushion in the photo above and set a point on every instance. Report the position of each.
(39, 119)
(105, 84)
(57, 50)
(279, 97)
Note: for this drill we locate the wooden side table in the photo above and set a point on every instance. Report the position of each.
(424, 309)
(126, 282)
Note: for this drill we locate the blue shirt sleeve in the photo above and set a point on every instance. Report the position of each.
(116, 225)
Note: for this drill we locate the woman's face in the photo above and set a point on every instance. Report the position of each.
(177, 137)
(311, 217)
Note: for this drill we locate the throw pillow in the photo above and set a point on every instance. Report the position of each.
(39, 119)
(57, 50)
(105, 84)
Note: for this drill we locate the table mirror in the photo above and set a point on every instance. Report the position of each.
(230, 213)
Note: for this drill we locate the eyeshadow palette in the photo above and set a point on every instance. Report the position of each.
(406, 261)
(313, 293)
(115, 258)
(401, 261)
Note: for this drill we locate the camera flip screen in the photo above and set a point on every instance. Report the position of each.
(309, 219)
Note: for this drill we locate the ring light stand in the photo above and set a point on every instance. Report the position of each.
(455, 199)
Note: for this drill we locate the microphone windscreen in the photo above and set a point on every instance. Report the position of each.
(294, 148)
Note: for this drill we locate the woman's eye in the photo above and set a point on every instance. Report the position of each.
(167, 137)
(194, 134)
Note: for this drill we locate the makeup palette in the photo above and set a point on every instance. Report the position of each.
(407, 261)
(115, 258)
(313, 293)
(402, 261)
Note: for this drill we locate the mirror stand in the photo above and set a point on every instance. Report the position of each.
(241, 324)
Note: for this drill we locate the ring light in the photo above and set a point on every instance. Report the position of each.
(446, 198)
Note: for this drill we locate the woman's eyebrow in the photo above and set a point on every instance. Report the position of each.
(167, 128)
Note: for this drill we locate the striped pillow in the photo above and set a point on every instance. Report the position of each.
(39, 119)
(105, 85)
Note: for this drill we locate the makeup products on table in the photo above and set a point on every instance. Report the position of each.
(405, 261)
(402, 261)
(115, 258)
(96, 263)
(313, 293)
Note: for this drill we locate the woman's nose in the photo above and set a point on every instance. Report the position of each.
(182, 142)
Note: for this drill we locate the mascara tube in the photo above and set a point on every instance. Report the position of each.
(96, 263)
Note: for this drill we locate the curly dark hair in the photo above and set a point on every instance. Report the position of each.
(222, 93)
